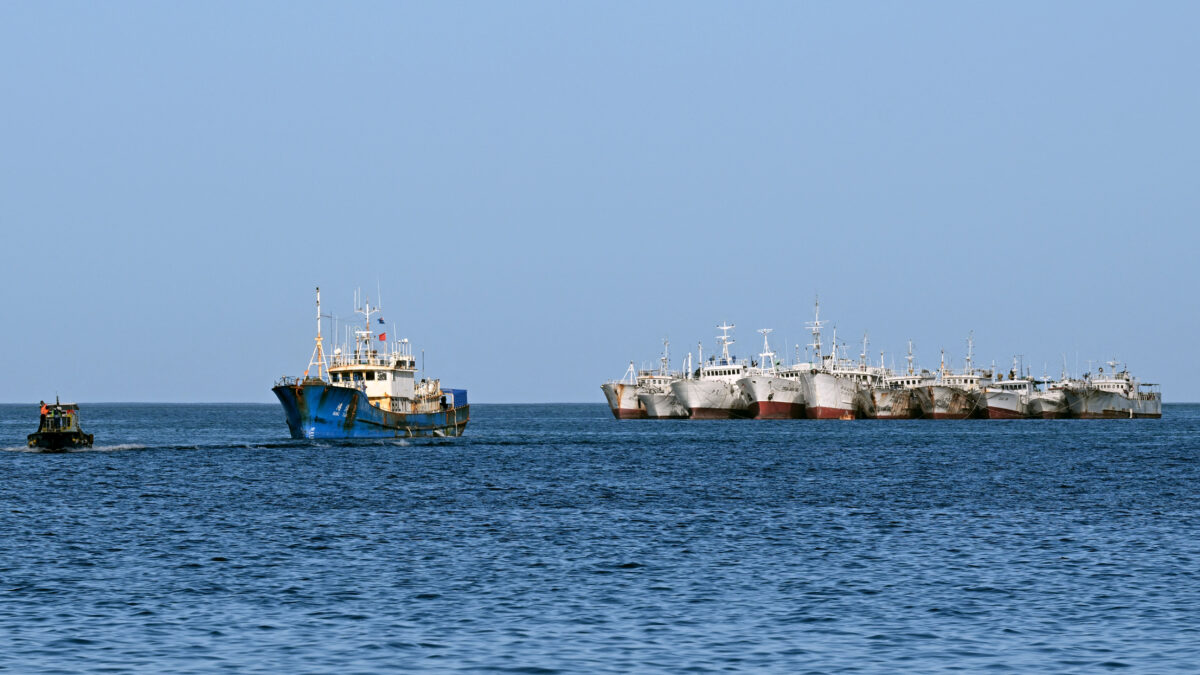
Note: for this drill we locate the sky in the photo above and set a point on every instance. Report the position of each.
(541, 192)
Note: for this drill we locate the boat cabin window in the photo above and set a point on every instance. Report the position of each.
(336, 377)
(382, 376)
(370, 374)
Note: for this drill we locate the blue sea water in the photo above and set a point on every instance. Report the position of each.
(553, 538)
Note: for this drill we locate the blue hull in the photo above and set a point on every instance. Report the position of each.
(318, 410)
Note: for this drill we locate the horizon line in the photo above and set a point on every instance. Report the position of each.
(479, 403)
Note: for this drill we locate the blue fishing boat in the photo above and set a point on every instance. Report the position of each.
(369, 389)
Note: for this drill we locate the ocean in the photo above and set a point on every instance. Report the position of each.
(553, 538)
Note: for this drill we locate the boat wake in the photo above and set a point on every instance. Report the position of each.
(280, 445)
(95, 448)
(112, 448)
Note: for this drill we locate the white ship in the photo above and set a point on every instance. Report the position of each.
(837, 388)
(712, 391)
(774, 393)
(654, 392)
(957, 396)
(1115, 395)
(1051, 402)
(904, 396)
(622, 396)
(1009, 399)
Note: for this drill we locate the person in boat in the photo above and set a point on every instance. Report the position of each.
(58, 429)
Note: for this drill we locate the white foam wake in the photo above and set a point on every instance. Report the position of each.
(94, 448)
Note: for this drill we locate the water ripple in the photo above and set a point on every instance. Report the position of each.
(555, 539)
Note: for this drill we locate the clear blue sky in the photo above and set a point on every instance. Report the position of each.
(544, 190)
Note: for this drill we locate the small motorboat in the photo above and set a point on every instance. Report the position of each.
(59, 428)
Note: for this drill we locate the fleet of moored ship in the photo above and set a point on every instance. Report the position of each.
(369, 389)
(831, 386)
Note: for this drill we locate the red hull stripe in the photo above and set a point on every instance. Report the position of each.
(776, 410)
(628, 413)
(950, 416)
(1004, 414)
(818, 413)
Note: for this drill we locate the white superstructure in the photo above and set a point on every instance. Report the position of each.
(712, 391)
(383, 370)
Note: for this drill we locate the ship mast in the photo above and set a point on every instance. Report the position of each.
(910, 358)
(318, 355)
(767, 356)
(665, 369)
(970, 348)
(363, 337)
(815, 327)
(725, 341)
(630, 376)
(367, 310)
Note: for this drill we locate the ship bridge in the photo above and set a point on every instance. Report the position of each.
(382, 376)
(383, 370)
